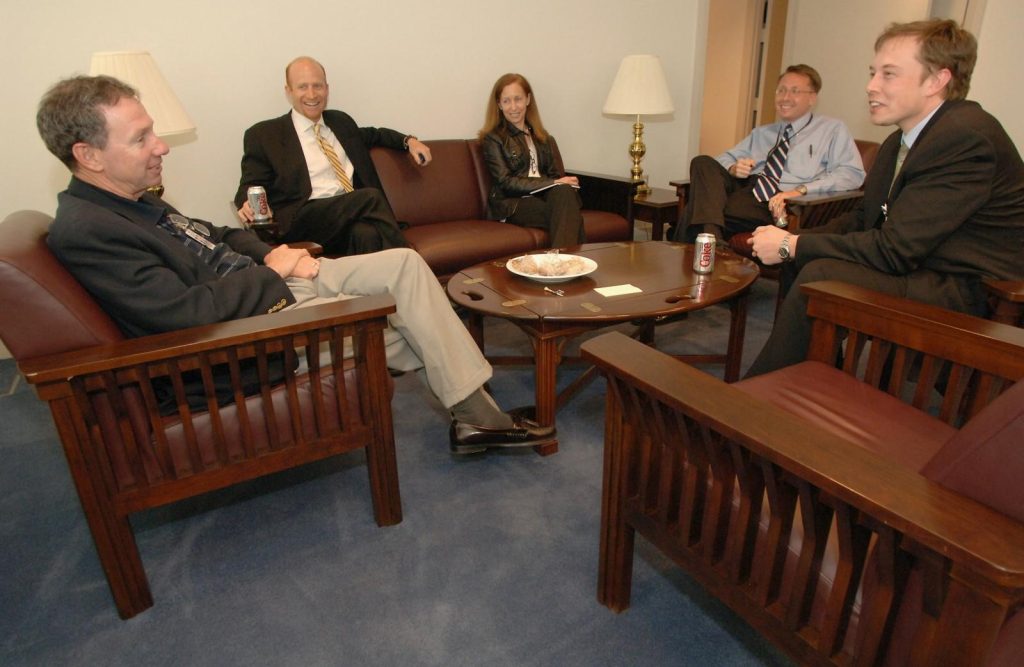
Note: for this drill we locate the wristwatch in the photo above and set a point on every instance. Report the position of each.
(784, 248)
(802, 189)
(405, 141)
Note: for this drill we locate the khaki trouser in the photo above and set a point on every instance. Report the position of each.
(423, 333)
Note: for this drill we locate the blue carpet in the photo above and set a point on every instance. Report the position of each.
(495, 562)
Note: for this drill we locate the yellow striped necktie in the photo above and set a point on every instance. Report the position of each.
(332, 157)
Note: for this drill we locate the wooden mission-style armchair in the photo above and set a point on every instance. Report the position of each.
(865, 513)
(125, 456)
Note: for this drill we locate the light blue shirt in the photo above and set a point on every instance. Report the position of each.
(909, 138)
(822, 154)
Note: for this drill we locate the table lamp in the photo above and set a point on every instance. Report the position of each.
(138, 69)
(639, 89)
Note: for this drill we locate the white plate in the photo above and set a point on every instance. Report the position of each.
(588, 267)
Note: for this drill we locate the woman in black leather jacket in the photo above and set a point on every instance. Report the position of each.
(530, 187)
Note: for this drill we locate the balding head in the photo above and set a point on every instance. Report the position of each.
(305, 83)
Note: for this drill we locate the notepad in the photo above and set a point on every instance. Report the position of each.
(618, 290)
(546, 187)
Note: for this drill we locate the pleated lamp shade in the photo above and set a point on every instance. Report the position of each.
(639, 88)
(138, 69)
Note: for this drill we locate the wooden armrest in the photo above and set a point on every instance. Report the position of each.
(967, 532)
(601, 192)
(1008, 290)
(175, 344)
(981, 344)
(824, 198)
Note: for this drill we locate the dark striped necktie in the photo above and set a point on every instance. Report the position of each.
(768, 182)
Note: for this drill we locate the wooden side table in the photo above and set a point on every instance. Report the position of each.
(659, 207)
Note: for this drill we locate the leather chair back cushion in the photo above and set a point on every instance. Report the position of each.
(148, 462)
(53, 311)
(448, 189)
(985, 459)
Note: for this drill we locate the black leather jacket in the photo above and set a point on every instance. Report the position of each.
(508, 159)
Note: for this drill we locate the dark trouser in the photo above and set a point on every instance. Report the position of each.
(351, 224)
(791, 334)
(557, 210)
(718, 198)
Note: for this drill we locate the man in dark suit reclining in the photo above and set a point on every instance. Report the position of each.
(315, 166)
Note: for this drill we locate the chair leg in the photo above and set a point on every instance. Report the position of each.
(381, 462)
(615, 565)
(111, 532)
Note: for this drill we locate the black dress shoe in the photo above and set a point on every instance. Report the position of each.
(470, 438)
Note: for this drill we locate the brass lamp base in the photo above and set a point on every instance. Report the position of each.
(637, 149)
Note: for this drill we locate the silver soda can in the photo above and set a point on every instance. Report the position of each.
(704, 253)
(258, 203)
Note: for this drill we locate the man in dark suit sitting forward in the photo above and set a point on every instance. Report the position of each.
(943, 206)
(315, 165)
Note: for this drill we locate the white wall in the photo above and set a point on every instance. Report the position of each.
(837, 37)
(420, 67)
(995, 82)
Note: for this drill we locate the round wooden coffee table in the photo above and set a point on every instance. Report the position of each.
(665, 286)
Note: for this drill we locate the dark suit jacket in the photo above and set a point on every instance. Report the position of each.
(272, 157)
(147, 281)
(956, 208)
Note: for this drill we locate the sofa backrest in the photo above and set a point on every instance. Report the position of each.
(450, 188)
(454, 186)
(45, 309)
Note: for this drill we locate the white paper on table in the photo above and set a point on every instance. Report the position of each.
(618, 290)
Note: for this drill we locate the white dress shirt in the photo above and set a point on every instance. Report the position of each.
(321, 174)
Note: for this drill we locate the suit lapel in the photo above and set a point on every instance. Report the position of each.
(291, 150)
(920, 147)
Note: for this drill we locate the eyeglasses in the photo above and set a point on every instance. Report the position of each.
(780, 92)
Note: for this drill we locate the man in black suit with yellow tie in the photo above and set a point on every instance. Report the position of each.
(315, 166)
(943, 206)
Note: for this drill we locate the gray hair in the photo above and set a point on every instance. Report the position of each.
(70, 113)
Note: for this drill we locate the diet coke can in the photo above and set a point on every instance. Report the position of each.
(704, 253)
(258, 203)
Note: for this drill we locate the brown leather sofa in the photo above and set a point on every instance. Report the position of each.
(445, 207)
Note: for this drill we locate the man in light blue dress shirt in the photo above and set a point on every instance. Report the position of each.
(821, 157)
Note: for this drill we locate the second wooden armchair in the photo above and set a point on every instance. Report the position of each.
(870, 513)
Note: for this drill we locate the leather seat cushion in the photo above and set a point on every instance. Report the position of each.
(601, 226)
(448, 247)
(853, 410)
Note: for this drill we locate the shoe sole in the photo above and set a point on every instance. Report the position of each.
(476, 449)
